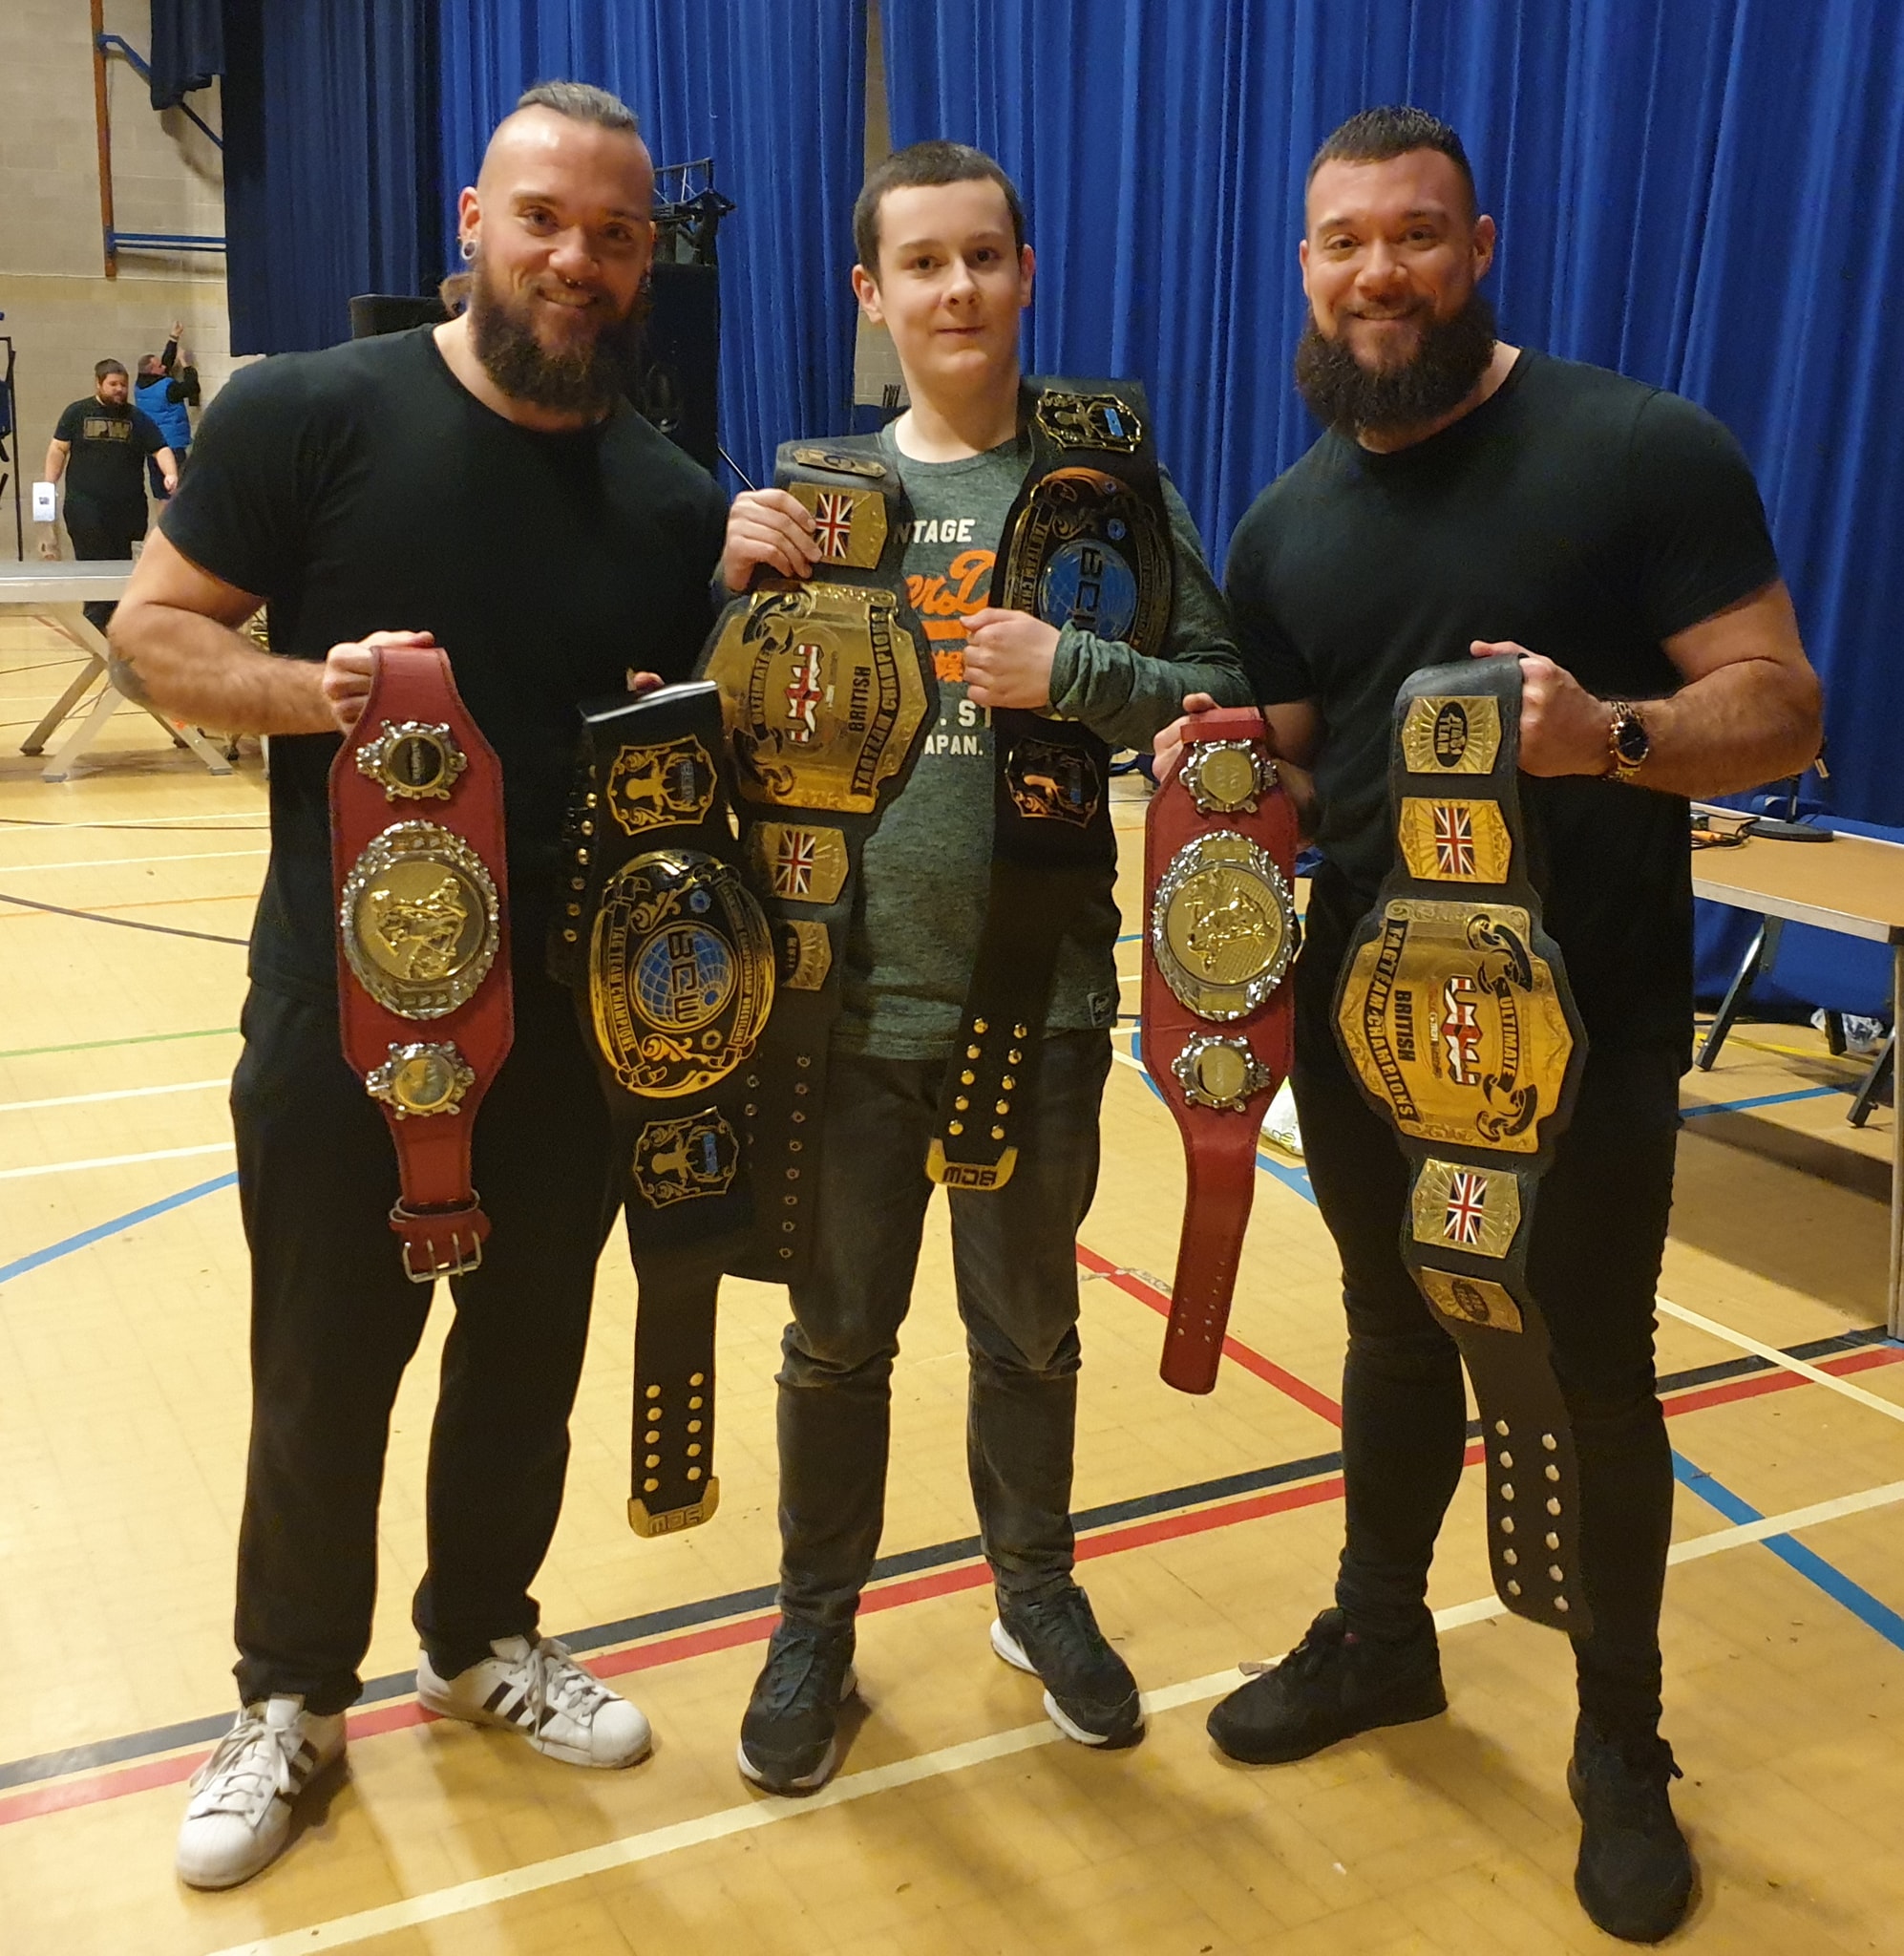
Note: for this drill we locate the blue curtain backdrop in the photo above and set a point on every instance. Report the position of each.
(329, 164)
(775, 92)
(1704, 197)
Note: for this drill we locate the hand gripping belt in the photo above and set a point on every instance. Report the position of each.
(673, 967)
(423, 940)
(1086, 543)
(1219, 855)
(1455, 1013)
(828, 690)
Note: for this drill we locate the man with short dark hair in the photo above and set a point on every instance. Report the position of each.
(484, 486)
(100, 446)
(945, 269)
(1468, 498)
(167, 390)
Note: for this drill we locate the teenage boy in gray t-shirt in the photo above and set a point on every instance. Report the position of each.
(944, 268)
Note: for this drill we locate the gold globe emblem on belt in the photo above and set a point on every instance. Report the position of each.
(1222, 925)
(421, 919)
(681, 973)
(822, 689)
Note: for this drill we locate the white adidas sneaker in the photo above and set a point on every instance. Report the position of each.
(539, 1689)
(240, 1815)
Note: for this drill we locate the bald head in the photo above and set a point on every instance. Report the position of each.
(540, 148)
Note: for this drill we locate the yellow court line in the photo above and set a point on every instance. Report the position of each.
(125, 862)
(113, 1162)
(491, 1891)
(117, 1093)
(1784, 1359)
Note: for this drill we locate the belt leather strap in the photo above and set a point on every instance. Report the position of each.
(1219, 1023)
(1087, 543)
(424, 996)
(672, 968)
(1455, 1013)
(828, 692)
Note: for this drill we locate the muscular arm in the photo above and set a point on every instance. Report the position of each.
(174, 627)
(1749, 713)
(57, 451)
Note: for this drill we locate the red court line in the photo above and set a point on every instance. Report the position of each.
(119, 1781)
(1251, 1360)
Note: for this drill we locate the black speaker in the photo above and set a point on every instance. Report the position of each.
(677, 375)
(378, 312)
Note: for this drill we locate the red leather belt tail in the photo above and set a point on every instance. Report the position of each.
(424, 995)
(1218, 1029)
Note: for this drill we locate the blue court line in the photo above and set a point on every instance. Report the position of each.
(1808, 1562)
(1691, 1113)
(99, 1231)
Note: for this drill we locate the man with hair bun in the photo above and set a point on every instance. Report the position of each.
(481, 487)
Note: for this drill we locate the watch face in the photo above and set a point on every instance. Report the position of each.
(1630, 739)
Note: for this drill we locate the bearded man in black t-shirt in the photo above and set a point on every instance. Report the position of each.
(481, 485)
(1470, 498)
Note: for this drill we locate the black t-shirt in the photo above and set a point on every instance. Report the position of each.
(1585, 516)
(109, 447)
(365, 488)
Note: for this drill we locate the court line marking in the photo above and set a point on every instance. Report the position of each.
(1713, 1329)
(111, 1161)
(630, 1850)
(136, 1040)
(1693, 1109)
(125, 862)
(117, 1093)
(99, 1231)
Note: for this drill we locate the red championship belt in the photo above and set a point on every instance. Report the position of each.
(1218, 1026)
(423, 940)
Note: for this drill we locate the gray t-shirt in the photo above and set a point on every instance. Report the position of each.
(926, 871)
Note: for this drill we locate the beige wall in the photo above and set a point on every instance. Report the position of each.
(61, 310)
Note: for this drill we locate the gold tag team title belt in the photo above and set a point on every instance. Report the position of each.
(673, 967)
(1455, 1013)
(828, 691)
(1220, 860)
(1087, 543)
(423, 1000)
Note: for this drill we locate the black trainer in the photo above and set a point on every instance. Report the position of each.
(1635, 1873)
(1333, 1685)
(790, 1736)
(1090, 1694)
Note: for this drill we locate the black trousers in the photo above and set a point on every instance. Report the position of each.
(335, 1322)
(1014, 1257)
(102, 532)
(1599, 1234)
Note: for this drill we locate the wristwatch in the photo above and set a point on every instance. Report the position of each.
(1627, 741)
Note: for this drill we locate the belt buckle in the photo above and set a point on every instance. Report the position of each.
(461, 1256)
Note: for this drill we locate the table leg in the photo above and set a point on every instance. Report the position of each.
(36, 742)
(1894, 1287)
(194, 740)
(89, 730)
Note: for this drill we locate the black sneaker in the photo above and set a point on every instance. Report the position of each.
(1635, 1873)
(790, 1737)
(1333, 1685)
(1090, 1694)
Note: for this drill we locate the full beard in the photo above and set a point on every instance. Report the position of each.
(586, 377)
(1445, 369)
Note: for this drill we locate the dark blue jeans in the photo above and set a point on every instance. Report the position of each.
(1600, 1233)
(1014, 1259)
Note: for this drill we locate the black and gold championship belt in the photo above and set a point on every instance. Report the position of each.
(1455, 1013)
(828, 691)
(423, 992)
(1086, 543)
(673, 970)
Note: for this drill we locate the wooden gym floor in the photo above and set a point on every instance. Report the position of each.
(959, 1821)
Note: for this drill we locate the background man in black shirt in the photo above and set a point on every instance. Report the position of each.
(482, 485)
(1472, 498)
(100, 445)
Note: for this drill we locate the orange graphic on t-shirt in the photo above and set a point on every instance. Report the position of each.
(943, 604)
